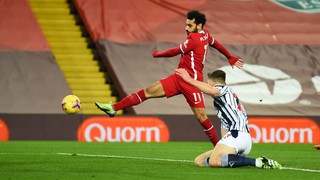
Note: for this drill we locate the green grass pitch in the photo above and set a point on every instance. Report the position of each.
(75, 160)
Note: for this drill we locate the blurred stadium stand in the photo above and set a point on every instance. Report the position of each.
(71, 49)
(260, 32)
(98, 48)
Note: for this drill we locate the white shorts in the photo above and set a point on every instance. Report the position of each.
(241, 142)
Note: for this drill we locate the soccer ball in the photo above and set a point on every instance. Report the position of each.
(71, 104)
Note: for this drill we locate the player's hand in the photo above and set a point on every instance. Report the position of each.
(239, 64)
(183, 73)
(234, 61)
(156, 54)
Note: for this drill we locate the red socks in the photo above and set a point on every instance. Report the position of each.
(210, 131)
(131, 100)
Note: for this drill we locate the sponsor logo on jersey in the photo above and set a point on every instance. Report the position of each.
(228, 134)
(231, 163)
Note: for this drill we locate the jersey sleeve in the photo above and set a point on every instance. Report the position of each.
(187, 45)
(211, 40)
(216, 44)
(223, 90)
(167, 53)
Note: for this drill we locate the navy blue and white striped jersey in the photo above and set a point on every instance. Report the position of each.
(230, 110)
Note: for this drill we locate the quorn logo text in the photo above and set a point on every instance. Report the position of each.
(123, 129)
(284, 130)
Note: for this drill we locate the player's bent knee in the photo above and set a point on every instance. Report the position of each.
(155, 90)
(198, 162)
(214, 163)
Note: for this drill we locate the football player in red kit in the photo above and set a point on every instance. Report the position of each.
(193, 54)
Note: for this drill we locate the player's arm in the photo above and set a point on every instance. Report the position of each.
(167, 53)
(233, 60)
(184, 47)
(204, 87)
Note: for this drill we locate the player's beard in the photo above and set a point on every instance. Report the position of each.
(194, 31)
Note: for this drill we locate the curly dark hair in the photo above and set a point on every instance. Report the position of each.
(198, 17)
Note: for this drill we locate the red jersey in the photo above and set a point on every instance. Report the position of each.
(194, 52)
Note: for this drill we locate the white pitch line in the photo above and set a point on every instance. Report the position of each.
(162, 159)
(300, 169)
(143, 158)
(125, 157)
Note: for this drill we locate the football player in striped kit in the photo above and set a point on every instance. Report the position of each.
(236, 142)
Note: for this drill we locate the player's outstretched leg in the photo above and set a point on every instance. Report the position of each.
(268, 163)
(131, 100)
(107, 108)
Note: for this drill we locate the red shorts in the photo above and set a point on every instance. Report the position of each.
(174, 85)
